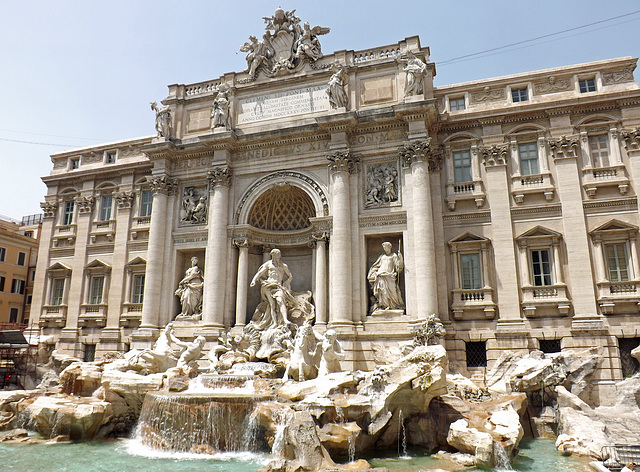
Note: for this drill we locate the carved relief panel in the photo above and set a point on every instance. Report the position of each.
(381, 185)
(194, 205)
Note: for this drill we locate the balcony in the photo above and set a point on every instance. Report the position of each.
(101, 230)
(600, 177)
(53, 316)
(616, 297)
(64, 235)
(93, 315)
(132, 316)
(522, 185)
(467, 302)
(545, 300)
(461, 191)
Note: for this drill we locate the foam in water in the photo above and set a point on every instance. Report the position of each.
(501, 457)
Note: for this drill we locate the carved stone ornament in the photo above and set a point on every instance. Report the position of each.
(163, 120)
(85, 204)
(124, 200)
(49, 209)
(421, 151)
(382, 185)
(336, 87)
(495, 155)
(220, 176)
(488, 95)
(415, 69)
(220, 116)
(564, 147)
(553, 84)
(618, 76)
(342, 161)
(631, 139)
(162, 184)
(285, 46)
(194, 206)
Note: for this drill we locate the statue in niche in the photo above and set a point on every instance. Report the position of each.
(416, 70)
(194, 208)
(383, 278)
(220, 110)
(258, 53)
(382, 182)
(331, 354)
(163, 120)
(190, 292)
(275, 289)
(338, 97)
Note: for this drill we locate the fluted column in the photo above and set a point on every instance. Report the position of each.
(243, 282)
(215, 268)
(342, 164)
(320, 295)
(419, 156)
(162, 186)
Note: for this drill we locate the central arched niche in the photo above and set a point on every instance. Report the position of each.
(282, 208)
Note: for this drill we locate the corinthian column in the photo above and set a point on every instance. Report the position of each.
(215, 267)
(342, 164)
(419, 156)
(162, 186)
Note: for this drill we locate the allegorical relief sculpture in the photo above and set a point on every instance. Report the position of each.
(285, 46)
(190, 292)
(416, 70)
(220, 111)
(163, 120)
(382, 185)
(336, 91)
(383, 278)
(194, 206)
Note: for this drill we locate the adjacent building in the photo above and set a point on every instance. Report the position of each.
(512, 200)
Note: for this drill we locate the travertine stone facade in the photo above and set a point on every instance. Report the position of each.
(513, 201)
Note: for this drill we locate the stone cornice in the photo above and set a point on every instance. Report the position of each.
(103, 172)
(337, 122)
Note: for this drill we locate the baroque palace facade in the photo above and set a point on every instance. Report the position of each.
(512, 200)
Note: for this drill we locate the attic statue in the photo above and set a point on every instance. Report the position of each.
(416, 70)
(163, 120)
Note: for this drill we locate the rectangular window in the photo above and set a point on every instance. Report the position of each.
(462, 166)
(75, 163)
(599, 150)
(89, 352)
(528, 153)
(146, 203)
(97, 285)
(617, 262)
(13, 315)
(549, 346)
(67, 217)
(470, 271)
(2, 283)
(29, 299)
(138, 289)
(587, 85)
(456, 104)
(111, 157)
(57, 291)
(21, 258)
(17, 286)
(105, 208)
(541, 267)
(476, 353)
(519, 95)
(3, 253)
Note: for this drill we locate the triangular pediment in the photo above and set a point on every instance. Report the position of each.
(539, 232)
(59, 266)
(137, 261)
(467, 238)
(97, 264)
(615, 225)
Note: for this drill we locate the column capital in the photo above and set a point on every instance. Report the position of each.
(163, 184)
(320, 236)
(565, 147)
(343, 161)
(241, 242)
(495, 155)
(49, 209)
(631, 139)
(85, 204)
(219, 176)
(420, 150)
(124, 200)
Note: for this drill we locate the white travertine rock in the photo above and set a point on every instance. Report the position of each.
(471, 441)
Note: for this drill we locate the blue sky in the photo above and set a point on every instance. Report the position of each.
(78, 73)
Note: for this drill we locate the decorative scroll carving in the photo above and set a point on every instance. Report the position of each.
(85, 204)
(124, 200)
(162, 184)
(382, 185)
(219, 176)
(618, 76)
(194, 205)
(342, 161)
(488, 95)
(49, 209)
(553, 84)
(564, 147)
(631, 139)
(495, 155)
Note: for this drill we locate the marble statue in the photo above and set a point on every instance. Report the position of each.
(416, 70)
(190, 292)
(338, 97)
(190, 356)
(258, 53)
(303, 363)
(163, 120)
(275, 281)
(220, 111)
(308, 44)
(383, 278)
(161, 357)
(331, 353)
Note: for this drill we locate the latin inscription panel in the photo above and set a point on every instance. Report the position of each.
(281, 104)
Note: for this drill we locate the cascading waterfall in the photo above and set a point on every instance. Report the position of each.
(501, 458)
(195, 422)
(281, 418)
(402, 436)
(340, 419)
